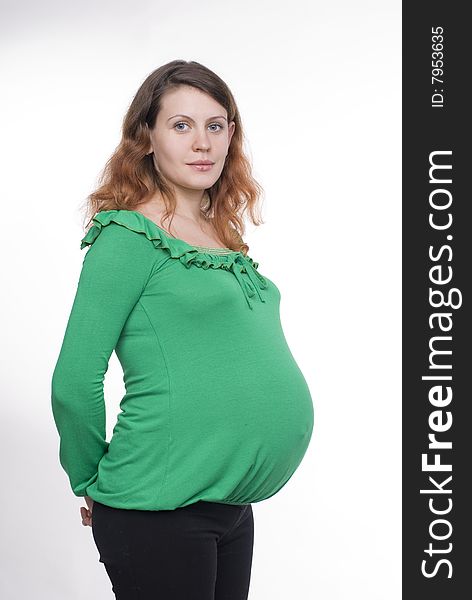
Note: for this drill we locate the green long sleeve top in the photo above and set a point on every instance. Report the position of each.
(215, 407)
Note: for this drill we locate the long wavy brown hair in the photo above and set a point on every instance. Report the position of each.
(130, 178)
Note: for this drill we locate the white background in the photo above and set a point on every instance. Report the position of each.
(318, 86)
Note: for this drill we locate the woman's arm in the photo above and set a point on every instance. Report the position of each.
(114, 273)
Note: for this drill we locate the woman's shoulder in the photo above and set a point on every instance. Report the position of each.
(132, 231)
(120, 231)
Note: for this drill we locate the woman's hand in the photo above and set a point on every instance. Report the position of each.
(87, 513)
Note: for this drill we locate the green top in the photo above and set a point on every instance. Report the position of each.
(215, 407)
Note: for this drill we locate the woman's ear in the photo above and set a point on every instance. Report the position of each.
(150, 148)
(231, 128)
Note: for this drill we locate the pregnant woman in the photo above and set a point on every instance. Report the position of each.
(216, 415)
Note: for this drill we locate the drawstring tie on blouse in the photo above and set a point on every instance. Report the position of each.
(242, 267)
(256, 283)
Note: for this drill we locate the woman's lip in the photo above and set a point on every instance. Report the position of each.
(201, 167)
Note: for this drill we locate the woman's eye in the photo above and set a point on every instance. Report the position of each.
(183, 123)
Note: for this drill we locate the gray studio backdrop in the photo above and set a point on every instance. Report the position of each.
(318, 85)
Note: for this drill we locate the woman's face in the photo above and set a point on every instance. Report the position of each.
(190, 126)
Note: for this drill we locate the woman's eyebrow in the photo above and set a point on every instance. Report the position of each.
(190, 118)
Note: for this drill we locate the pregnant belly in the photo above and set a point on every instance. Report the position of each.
(253, 426)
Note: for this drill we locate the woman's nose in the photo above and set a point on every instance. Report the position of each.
(201, 141)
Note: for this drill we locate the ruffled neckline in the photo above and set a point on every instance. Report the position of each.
(242, 266)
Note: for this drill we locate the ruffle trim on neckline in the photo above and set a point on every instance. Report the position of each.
(242, 266)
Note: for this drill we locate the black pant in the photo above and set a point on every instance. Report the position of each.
(202, 551)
